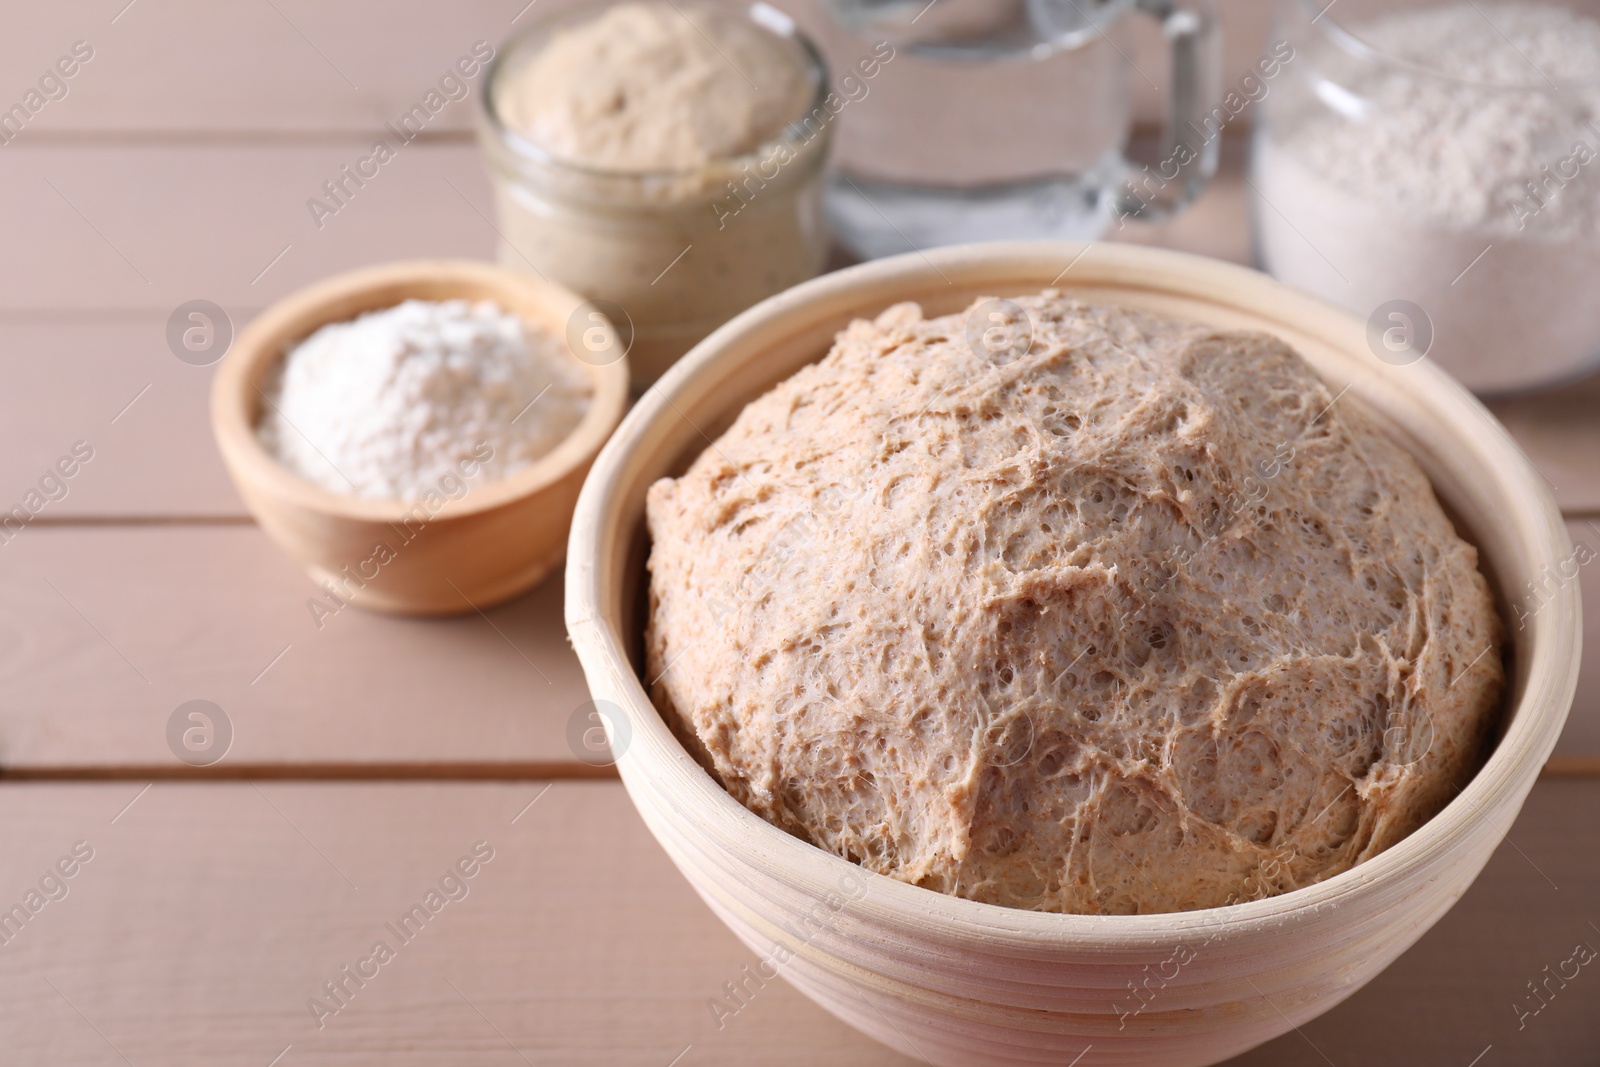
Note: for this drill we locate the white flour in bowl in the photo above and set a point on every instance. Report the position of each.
(1478, 202)
(406, 401)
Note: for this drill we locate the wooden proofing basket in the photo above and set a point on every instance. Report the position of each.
(954, 981)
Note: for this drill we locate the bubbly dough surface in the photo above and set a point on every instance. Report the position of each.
(652, 86)
(1145, 620)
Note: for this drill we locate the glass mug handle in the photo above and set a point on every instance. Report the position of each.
(1159, 190)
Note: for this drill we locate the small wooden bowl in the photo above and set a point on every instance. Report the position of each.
(955, 981)
(491, 544)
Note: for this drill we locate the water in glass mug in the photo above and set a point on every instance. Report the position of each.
(997, 118)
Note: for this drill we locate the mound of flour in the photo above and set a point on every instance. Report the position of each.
(392, 403)
(1390, 179)
(1458, 148)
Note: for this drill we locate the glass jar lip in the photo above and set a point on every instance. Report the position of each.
(1349, 41)
(1097, 20)
(763, 15)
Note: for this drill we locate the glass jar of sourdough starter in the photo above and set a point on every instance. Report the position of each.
(1009, 119)
(1435, 168)
(668, 254)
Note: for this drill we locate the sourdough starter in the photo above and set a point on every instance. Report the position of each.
(646, 158)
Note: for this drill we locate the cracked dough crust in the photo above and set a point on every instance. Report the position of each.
(1146, 620)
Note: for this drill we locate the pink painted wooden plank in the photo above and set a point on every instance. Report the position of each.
(211, 913)
(145, 226)
(296, 66)
(106, 630)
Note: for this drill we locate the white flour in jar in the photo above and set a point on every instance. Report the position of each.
(402, 402)
(1479, 203)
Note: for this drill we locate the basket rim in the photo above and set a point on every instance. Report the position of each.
(655, 764)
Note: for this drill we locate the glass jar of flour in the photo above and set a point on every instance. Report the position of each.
(1435, 168)
(997, 119)
(663, 159)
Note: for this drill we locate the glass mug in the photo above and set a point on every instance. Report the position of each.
(995, 119)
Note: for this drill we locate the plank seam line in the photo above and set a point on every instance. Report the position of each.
(331, 772)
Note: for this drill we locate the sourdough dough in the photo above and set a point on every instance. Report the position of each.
(1144, 620)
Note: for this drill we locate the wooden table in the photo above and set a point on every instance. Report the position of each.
(370, 754)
